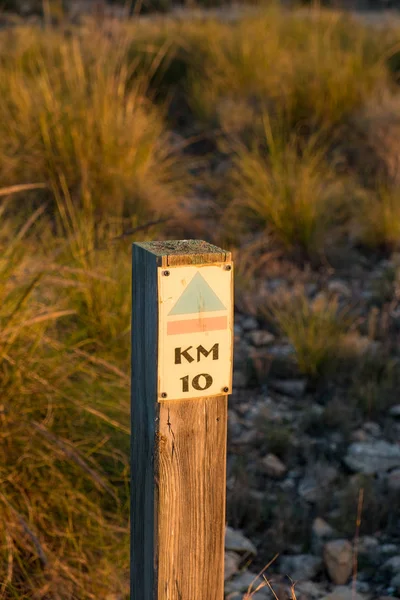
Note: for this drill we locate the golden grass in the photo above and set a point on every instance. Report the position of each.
(319, 68)
(72, 111)
(64, 467)
(289, 189)
(316, 329)
(378, 221)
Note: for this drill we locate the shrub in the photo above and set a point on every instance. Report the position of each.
(315, 328)
(70, 111)
(290, 191)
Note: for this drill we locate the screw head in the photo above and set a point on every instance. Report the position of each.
(164, 395)
(166, 273)
(225, 389)
(228, 267)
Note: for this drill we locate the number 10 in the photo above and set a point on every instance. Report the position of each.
(199, 382)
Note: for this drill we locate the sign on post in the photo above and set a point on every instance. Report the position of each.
(195, 331)
(182, 323)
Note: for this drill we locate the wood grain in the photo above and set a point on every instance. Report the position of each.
(191, 522)
(178, 525)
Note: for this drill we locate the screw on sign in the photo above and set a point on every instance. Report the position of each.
(182, 323)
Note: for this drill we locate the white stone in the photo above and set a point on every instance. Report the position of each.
(273, 466)
(392, 564)
(338, 557)
(231, 564)
(289, 387)
(242, 582)
(249, 323)
(395, 411)
(301, 566)
(260, 337)
(321, 532)
(342, 592)
(235, 541)
(372, 457)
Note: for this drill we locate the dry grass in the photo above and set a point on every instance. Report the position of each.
(72, 111)
(376, 129)
(319, 68)
(63, 472)
(289, 190)
(316, 329)
(378, 221)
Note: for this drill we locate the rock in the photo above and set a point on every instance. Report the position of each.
(359, 435)
(260, 364)
(321, 532)
(241, 354)
(342, 592)
(395, 411)
(273, 467)
(372, 457)
(25, 7)
(235, 541)
(239, 379)
(395, 583)
(242, 582)
(363, 587)
(367, 545)
(394, 481)
(237, 330)
(282, 359)
(372, 429)
(247, 438)
(232, 561)
(288, 485)
(314, 484)
(261, 337)
(391, 549)
(392, 564)
(340, 287)
(309, 589)
(301, 566)
(249, 323)
(294, 388)
(338, 557)
(234, 425)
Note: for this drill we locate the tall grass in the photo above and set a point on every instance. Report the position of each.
(71, 109)
(316, 329)
(63, 442)
(290, 189)
(320, 68)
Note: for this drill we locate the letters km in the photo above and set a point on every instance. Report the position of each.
(200, 351)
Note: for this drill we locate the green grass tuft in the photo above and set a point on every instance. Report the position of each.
(316, 329)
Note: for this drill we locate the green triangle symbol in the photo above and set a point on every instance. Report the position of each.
(197, 297)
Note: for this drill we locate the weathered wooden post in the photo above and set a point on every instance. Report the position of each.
(182, 322)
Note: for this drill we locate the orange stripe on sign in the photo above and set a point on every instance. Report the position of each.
(197, 325)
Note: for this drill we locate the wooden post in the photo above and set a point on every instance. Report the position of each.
(182, 322)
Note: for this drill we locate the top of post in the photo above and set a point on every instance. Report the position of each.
(189, 252)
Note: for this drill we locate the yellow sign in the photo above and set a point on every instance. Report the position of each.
(195, 331)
